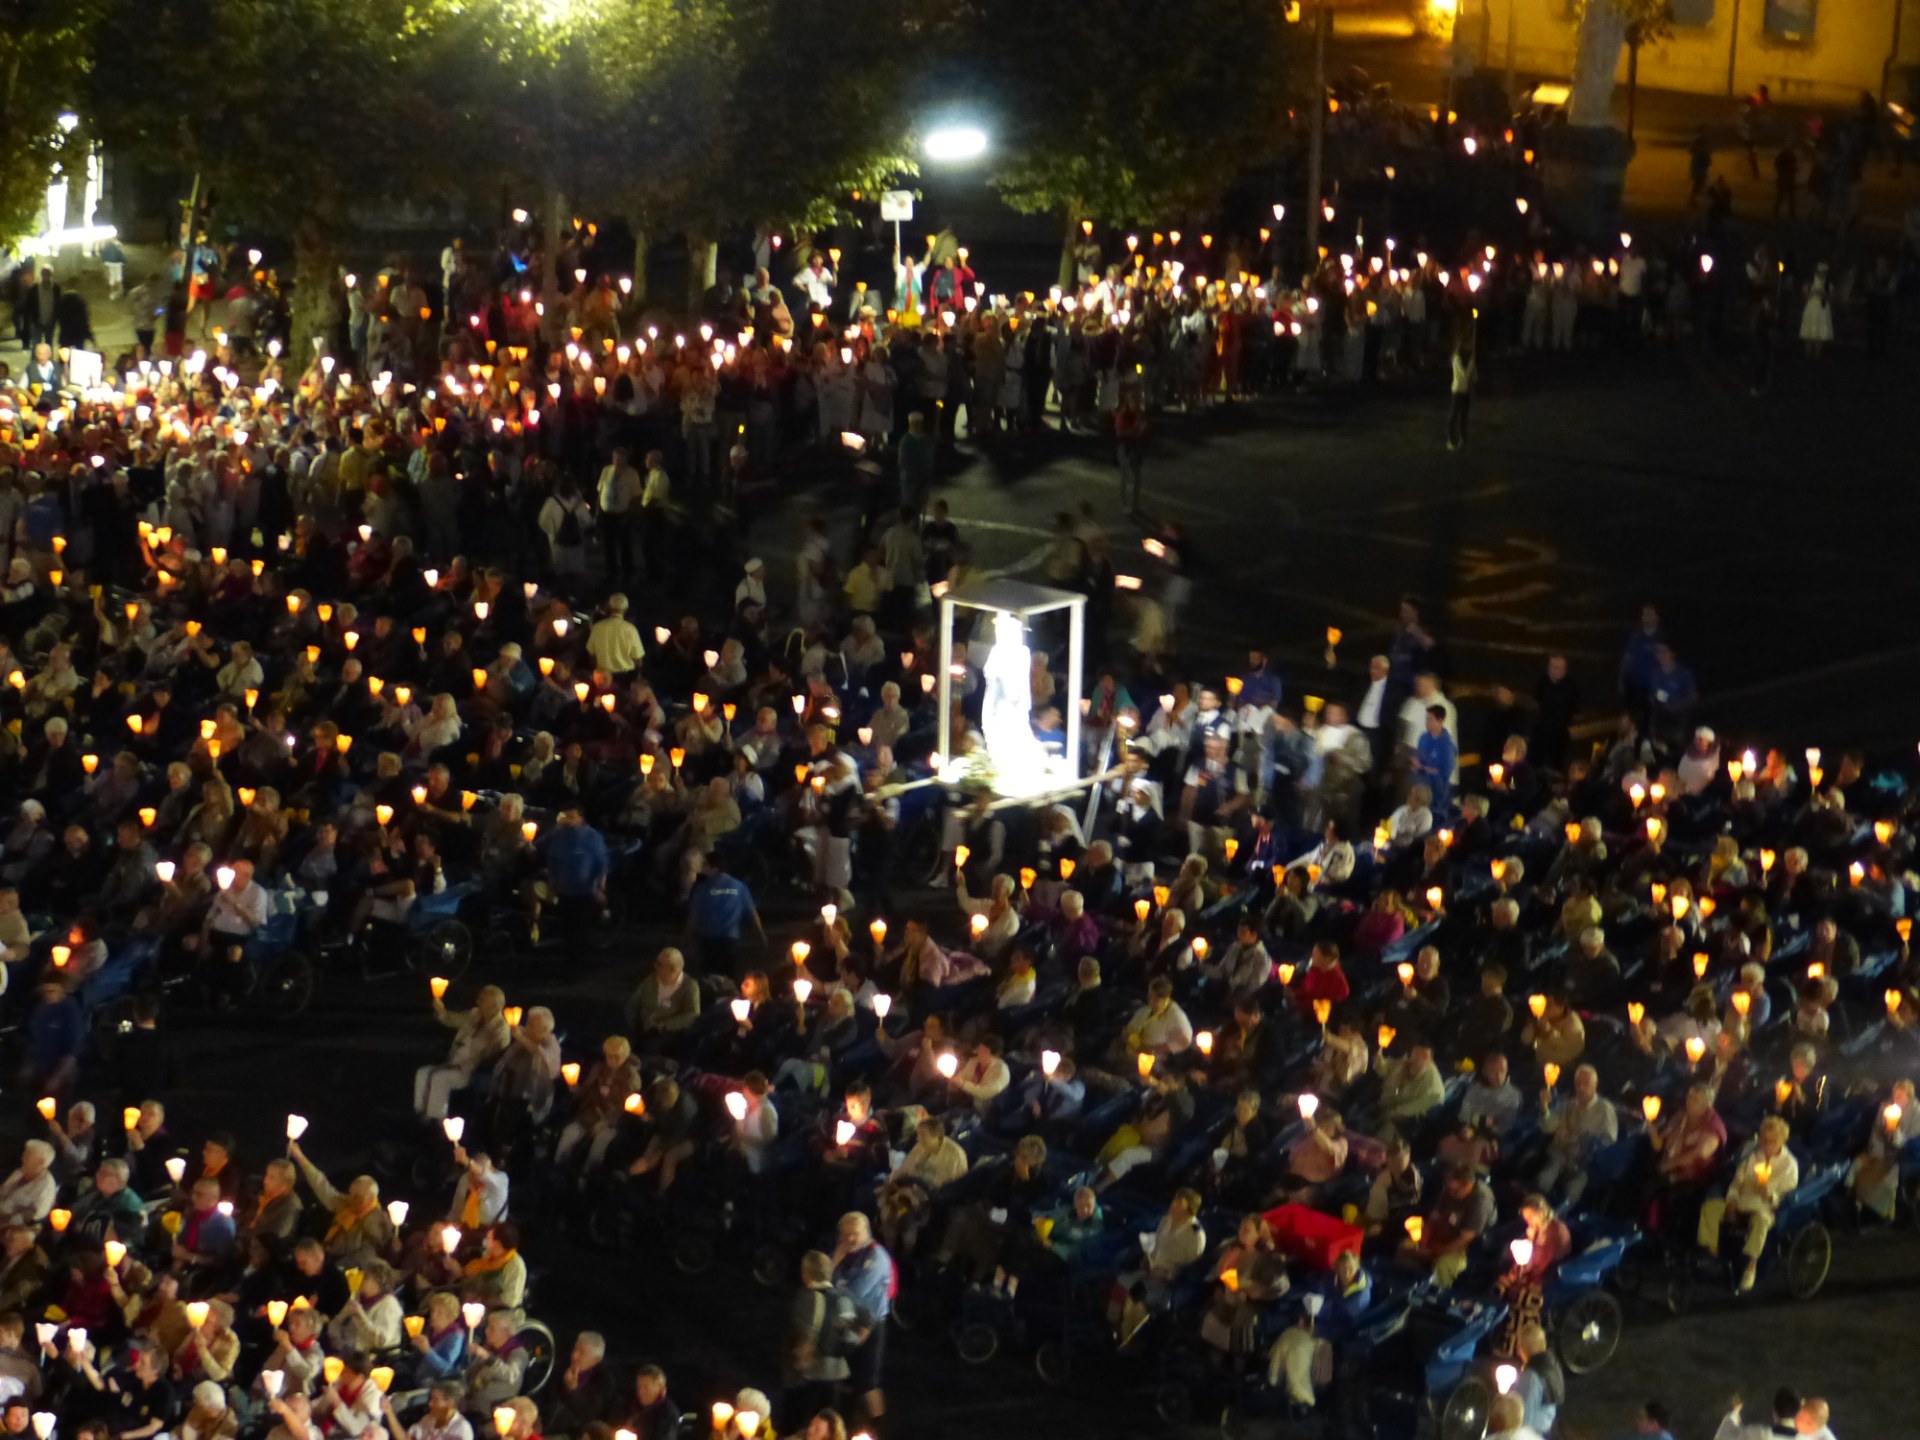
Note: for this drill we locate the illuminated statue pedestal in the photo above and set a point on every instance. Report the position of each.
(1015, 765)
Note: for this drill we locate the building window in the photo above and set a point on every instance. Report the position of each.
(1790, 20)
(1692, 12)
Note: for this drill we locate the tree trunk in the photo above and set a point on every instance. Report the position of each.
(1633, 85)
(316, 310)
(1069, 268)
(703, 268)
(1603, 30)
(642, 242)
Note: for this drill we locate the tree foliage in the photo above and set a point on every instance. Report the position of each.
(45, 52)
(1136, 114)
(295, 112)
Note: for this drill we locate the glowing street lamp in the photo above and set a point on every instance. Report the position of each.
(954, 144)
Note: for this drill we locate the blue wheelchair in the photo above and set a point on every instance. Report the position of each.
(1799, 1247)
(1582, 1315)
(1418, 1363)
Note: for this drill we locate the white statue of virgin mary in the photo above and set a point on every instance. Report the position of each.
(1006, 713)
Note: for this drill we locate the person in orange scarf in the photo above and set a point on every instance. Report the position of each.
(497, 1276)
(361, 1230)
(481, 1196)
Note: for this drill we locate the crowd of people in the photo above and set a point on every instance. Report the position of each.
(1316, 1010)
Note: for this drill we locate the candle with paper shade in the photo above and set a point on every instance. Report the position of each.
(397, 1212)
(1696, 1049)
(742, 1008)
(115, 1252)
(382, 1377)
(1309, 1106)
(504, 1419)
(1144, 1062)
(130, 1116)
(197, 1312)
(948, 1064)
(416, 1325)
(1416, 1227)
(736, 1103)
(449, 1238)
(473, 1312)
(455, 1127)
(882, 1004)
(722, 1414)
(276, 1313)
(438, 985)
(59, 1220)
(177, 1169)
(296, 1126)
(634, 1104)
(47, 1106)
(1636, 1012)
(1552, 1073)
(1285, 972)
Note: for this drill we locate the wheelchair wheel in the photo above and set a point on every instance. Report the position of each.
(607, 1226)
(1464, 1416)
(693, 1254)
(1173, 1403)
(110, 1022)
(1588, 1331)
(445, 949)
(768, 1266)
(1679, 1293)
(905, 1312)
(425, 1170)
(977, 1342)
(1053, 1362)
(919, 858)
(285, 988)
(537, 1343)
(1809, 1258)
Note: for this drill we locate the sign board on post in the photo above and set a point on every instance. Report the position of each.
(896, 205)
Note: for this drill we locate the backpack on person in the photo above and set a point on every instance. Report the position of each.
(569, 532)
(838, 1325)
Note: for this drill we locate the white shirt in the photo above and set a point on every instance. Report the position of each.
(818, 284)
(1368, 716)
(1413, 720)
(239, 911)
(757, 1132)
(619, 486)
